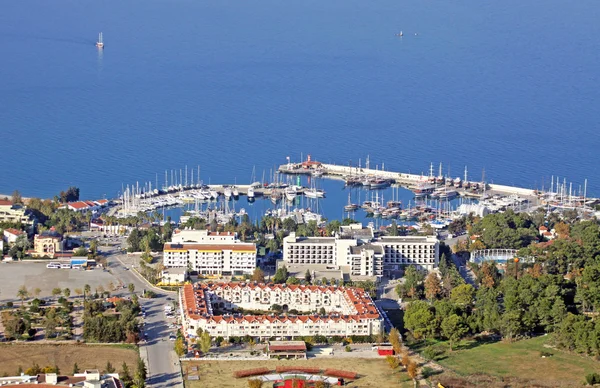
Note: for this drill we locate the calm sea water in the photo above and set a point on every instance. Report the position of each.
(509, 86)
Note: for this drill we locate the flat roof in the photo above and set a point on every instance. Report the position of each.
(315, 240)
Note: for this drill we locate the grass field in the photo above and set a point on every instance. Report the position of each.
(64, 356)
(373, 372)
(521, 360)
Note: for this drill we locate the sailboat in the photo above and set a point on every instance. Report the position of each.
(350, 207)
(100, 43)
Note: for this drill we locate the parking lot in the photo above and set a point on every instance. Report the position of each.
(35, 275)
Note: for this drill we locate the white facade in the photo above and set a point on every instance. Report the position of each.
(422, 251)
(349, 311)
(374, 258)
(209, 253)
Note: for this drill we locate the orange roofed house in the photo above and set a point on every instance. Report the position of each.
(348, 311)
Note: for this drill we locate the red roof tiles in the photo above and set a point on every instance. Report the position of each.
(196, 303)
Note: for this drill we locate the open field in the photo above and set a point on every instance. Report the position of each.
(64, 356)
(520, 360)
(373, 372)
(34, 275)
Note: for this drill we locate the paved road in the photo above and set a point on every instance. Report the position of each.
(163, 364)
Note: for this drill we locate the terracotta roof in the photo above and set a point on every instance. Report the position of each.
(13, 231)
(196, 303)
(78, 205)
(543, 228)
(4, 202)
(287, 345)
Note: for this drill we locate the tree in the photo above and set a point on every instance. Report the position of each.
(66, 292)
(258, 275)
(71, 195)
(141, 373)
(37, 291)
(22, 294)
(394, 337)
(453, 329)
(56, 291)
(292, 280)
(16, 197)
(86, 289)
(281, 275)
(419, 319)
(51, 321)
(131, 287)
(94, 248)
(204, 342)
(179, 347)
(433, 286)
(411, 370)
(463, 295)
(392, 361)
(125, 375)
(109, 368)
(307, 277)
(75, 368)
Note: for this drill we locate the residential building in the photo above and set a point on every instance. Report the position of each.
(85, 206)
(10, 235)
(88, 379)
(10, 212)
(174, 275)
(421, 251)
(348, 311)
(356, 250)
(48, 243)
(209, 253)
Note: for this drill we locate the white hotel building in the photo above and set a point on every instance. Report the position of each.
(355, 250)
(349, 311)
(209, 253)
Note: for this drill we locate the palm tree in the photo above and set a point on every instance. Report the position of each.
(86, 290)
(22, 294)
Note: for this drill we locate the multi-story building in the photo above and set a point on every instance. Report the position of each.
(348, 311)
(422, 251)
(209, 253)
(356, 249)
(47, 244)
(10, 212)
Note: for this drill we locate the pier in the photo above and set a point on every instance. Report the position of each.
(407, 180)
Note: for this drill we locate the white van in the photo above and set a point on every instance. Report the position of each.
(53, 265)
(65, 266)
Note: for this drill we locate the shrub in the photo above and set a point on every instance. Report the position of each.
(348, 348)
(9, 304)
(544, 353)
(427, 372)
(592, 378)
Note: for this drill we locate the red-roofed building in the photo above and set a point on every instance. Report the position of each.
(287, 349)
(348, 311)
(10, 235)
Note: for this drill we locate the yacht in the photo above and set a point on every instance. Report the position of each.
(250, 193)
(236, 193)
(100, 42)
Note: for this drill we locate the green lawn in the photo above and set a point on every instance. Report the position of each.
(521, 360)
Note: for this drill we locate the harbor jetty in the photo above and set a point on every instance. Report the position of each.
(357, 175)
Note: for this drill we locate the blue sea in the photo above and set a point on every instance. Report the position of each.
(511, 87)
